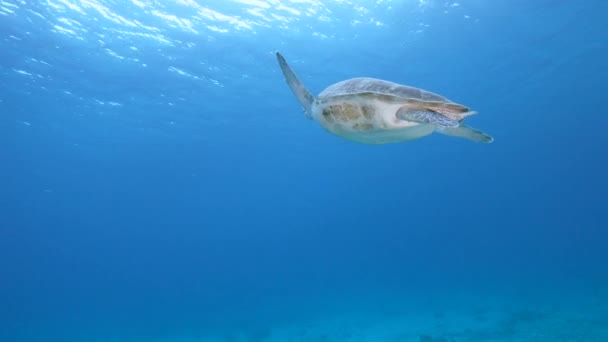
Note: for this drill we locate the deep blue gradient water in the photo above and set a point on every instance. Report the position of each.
(159, 182)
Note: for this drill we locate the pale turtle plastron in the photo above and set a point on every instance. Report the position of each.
(373, 111)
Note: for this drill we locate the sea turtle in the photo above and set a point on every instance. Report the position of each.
(373, 111)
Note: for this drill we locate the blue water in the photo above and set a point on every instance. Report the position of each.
(159, 181)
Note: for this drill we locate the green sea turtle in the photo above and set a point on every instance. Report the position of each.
(373, 111)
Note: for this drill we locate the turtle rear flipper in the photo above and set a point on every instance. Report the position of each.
(466, 132)
(442, 124)
(453, 111)
(425, 116)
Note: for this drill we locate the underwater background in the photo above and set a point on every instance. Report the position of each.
(159, 181)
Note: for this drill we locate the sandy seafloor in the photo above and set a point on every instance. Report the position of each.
(567, 317)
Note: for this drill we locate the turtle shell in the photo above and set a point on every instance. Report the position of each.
(380, 87)
(389, 92)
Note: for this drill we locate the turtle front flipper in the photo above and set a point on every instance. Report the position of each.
(302, 94)
(442, 124)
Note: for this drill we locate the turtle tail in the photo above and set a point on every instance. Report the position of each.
(302, 94)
